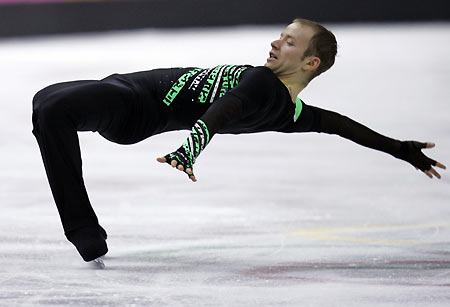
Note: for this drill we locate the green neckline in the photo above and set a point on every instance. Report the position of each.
(298, 108)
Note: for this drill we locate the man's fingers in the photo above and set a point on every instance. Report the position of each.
(179, 166)
(161, 160)
(432, 172)
(191, 175)
(435, 173)
(164, 160)
(428, 173)
(440, 165)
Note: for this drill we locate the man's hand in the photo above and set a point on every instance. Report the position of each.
(184, 157)
(176, 160)
(411, 151)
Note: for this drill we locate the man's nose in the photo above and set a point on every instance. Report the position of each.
(275, 44)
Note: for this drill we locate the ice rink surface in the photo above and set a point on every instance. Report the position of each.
(274, 219)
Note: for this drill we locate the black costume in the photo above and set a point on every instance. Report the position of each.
(128, 108)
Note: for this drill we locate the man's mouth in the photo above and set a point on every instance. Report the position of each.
(271, 57)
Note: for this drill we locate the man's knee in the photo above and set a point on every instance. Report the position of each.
(41, 96)
(48, 108)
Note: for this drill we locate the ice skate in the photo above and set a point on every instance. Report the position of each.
(97, 264)
(90, 243)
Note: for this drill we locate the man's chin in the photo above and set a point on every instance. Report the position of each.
(268, 65)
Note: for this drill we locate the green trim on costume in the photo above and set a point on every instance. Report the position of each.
(218, 81)
(298, 108)
(204, 93)
(206, 130)
(226, 79)
(178, 86)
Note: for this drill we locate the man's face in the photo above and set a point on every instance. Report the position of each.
(285, 58)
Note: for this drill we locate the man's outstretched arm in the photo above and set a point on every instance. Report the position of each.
(409, 151)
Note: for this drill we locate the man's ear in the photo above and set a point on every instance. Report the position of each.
(311, 63)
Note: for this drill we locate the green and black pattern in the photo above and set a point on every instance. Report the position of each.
(192, 147)
(206, 85)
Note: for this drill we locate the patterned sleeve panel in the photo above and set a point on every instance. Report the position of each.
(192, 147)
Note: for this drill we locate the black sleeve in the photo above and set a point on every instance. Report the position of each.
(255, 89)
(224, 111)
(320, 120)
(335, 123)
(249, 96)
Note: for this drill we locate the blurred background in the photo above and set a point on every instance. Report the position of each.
(29, 17)
(329, 223)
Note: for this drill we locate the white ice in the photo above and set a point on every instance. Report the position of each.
(274, 220)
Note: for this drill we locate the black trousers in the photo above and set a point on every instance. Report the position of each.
(116, 110)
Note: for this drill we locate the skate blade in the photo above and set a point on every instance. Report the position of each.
(97, 264)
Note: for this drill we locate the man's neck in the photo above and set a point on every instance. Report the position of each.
(294, 85)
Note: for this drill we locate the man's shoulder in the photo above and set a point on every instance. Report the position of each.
(261, 70)
(261, 73)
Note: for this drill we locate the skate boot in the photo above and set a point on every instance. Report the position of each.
(89, 242)
(103, 232)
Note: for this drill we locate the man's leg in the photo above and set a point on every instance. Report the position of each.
(59, 111)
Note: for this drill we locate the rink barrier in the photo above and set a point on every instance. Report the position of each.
(56, 17)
